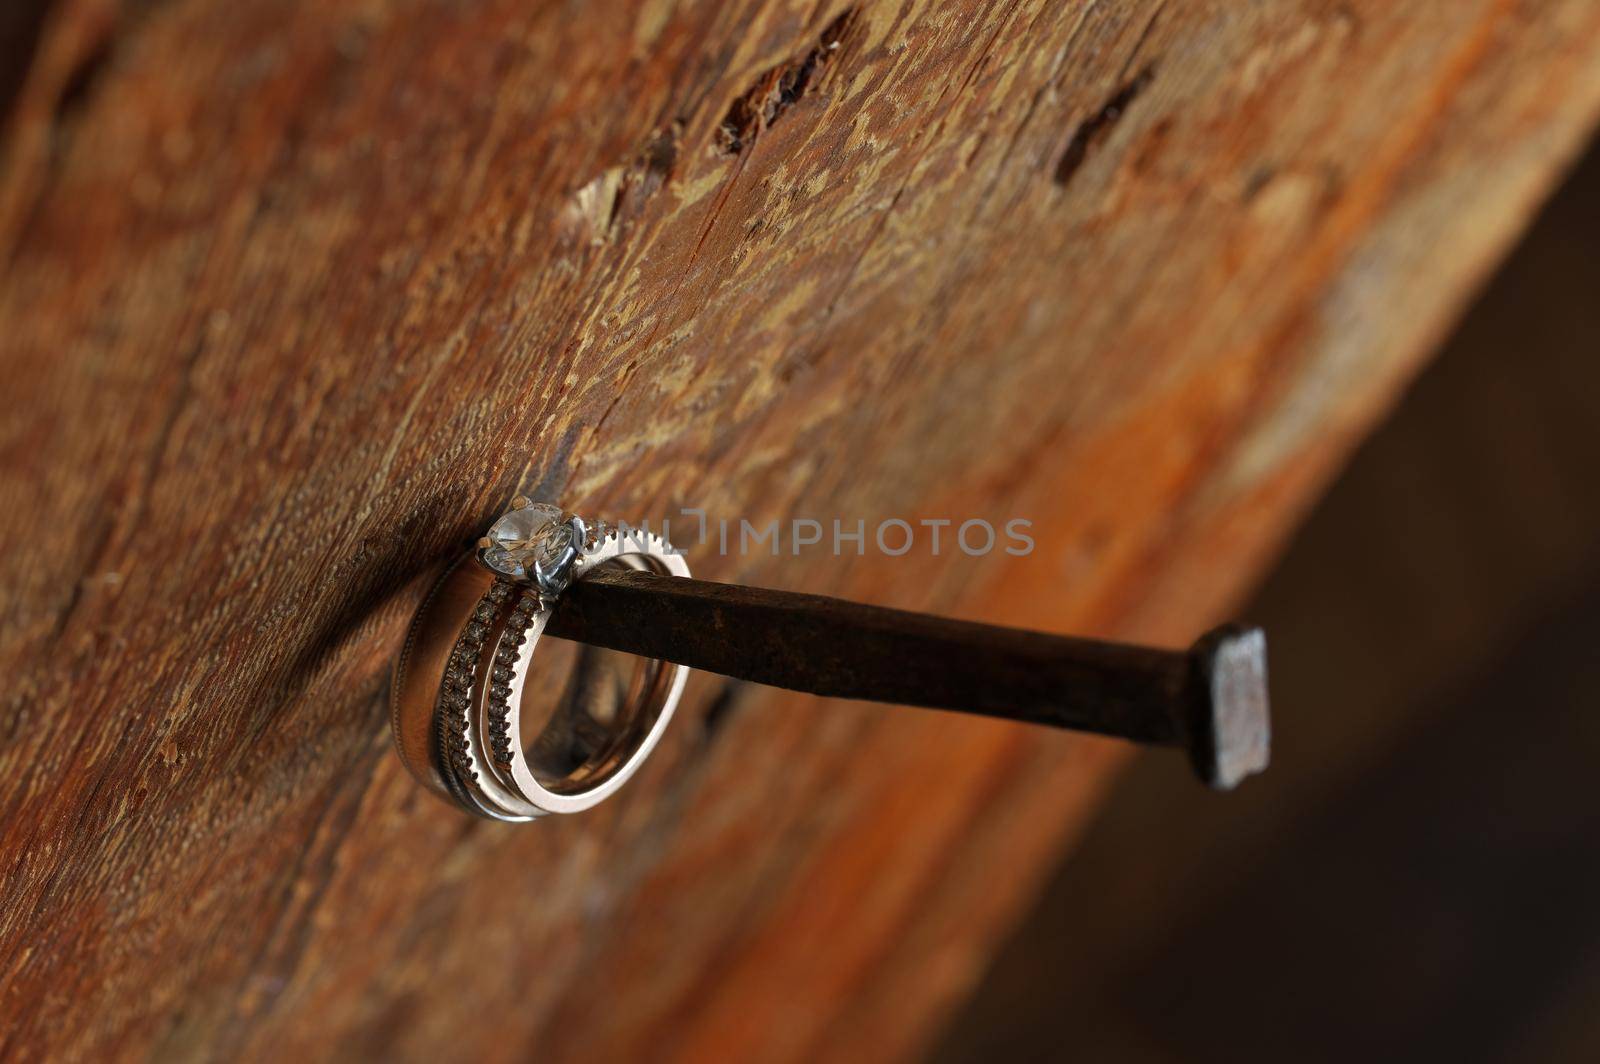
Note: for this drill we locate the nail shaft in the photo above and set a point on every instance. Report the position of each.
(1210, 699)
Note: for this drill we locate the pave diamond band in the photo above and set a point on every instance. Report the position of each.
(469, 662)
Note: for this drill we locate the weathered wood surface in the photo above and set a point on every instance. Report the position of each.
(297, 294)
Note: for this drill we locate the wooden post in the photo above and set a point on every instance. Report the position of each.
(296, 295)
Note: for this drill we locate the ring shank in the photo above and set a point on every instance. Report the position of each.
(414, 688)
(640, 723)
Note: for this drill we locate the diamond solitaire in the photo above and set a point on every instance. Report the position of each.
(535, 542)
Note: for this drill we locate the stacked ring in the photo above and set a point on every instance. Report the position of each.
(459, 685)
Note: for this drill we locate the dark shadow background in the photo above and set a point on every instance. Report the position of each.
(1418, 875)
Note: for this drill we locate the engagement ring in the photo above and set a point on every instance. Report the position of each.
(462, 681)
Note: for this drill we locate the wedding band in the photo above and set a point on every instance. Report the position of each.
(459, 686)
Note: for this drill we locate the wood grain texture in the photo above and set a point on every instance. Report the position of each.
(297, 294)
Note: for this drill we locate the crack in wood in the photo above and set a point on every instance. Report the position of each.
(780, 88)
(1094, 130)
